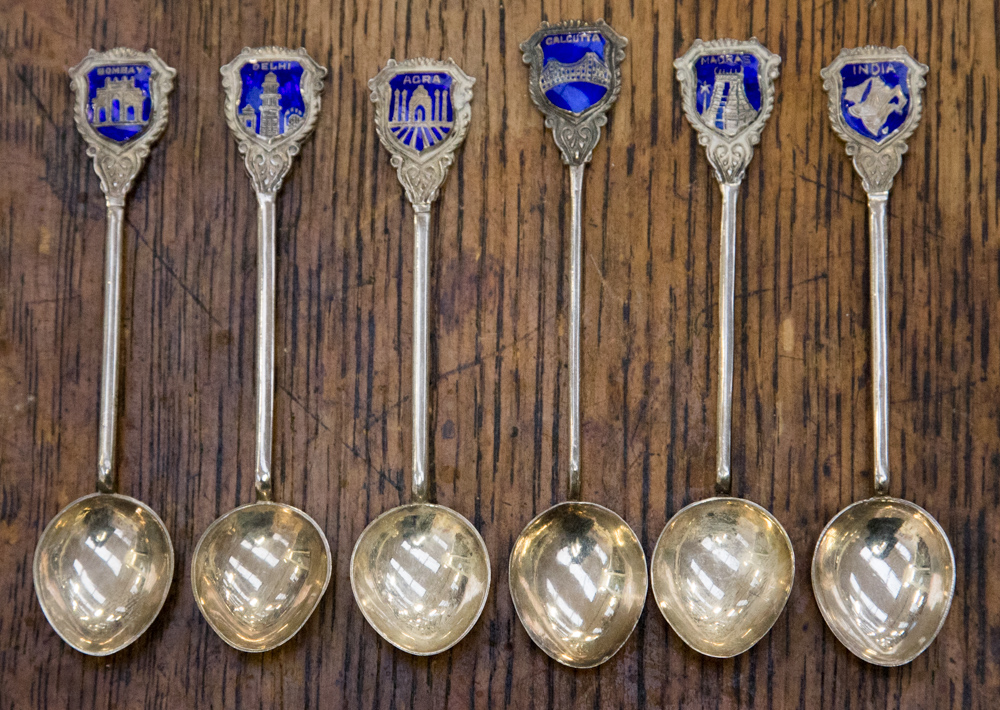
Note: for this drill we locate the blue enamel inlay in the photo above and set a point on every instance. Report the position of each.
(271, 97)
(875, 99)
(119, 105)
(728, 90)
(575, 73)
(421, 112)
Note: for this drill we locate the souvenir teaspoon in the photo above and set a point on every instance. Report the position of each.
(577, 571)
(883, 570)
(421, 572)
(723, 567)
(103, 565)
(259, 571)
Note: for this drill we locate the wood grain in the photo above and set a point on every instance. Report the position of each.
(802, 422)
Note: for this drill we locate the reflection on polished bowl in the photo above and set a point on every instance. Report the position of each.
(259, 572)
(722, 572)
(421, 575)
(884, 577)
(578, 581)
(102, 571)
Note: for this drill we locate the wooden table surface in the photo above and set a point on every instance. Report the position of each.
(802, 421)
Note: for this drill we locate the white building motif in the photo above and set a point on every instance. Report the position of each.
(272, 120)
(121, 97)
(420, 116)
(874, 109)
(590, 70)
(728, 109)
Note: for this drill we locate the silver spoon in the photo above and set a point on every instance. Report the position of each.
(259, 571)
(420, 572)
(577, 571)
(103, 565)
(723, 567)
(883, 570)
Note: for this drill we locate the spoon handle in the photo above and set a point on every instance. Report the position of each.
(265, 342)
(880, 340)
(575, 308)
(109, 352)
(727, 279)
(421, 279)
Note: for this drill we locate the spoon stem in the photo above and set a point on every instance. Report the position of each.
(575, 312)
(727, 283)
(109, 354)
(421, 278)
(880, 367)
(265, 342)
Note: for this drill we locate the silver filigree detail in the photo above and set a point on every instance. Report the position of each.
(422, 173)
(268, 159)
(575, 134)
(117, 164)
(876, 163)
(730, 149)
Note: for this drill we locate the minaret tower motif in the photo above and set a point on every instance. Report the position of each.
(270, 112)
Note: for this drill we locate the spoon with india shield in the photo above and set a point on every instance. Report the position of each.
(103, 566)
(577, 571)
(883, 571)
(420, 572)
(259, 571)
(723, 568)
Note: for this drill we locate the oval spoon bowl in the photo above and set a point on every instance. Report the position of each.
(578, 581)
(883, 575)
(722, 572)
(102, 571)
(421, 574)
(258, 574)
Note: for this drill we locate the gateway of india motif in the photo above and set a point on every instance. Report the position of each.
(272, 120)
(728, 109)
(119, 102)
(589, 70)
(418, 120)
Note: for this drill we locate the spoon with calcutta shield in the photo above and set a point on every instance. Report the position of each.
(420, 572)
(723, 567)
(577, 571)
(259, 571)
(883, 571)
(103, 565)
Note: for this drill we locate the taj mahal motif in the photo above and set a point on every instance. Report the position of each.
(420, 120)
(269, 120)
(728, 108)
(118, 102)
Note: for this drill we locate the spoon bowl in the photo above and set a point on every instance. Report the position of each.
(258, 574)
(884, 577)
(102, 571)
(722, 572)
(421, 574)
(578, 581)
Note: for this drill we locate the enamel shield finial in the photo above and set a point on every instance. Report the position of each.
(120, 110)
(422, 114)
(875, 105)
(575, 78)
(272, 104)
(727, 88)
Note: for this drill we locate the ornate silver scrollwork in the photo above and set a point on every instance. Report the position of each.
(119, 143)
(268, 146)
(722, 110)
(878, 111)
(576, 125)
(420, 127)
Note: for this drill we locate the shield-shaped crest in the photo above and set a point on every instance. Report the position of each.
(875, 105)
(575, 77)
(121, 109)
(727, 87)
(421, 116)
(272, 104)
